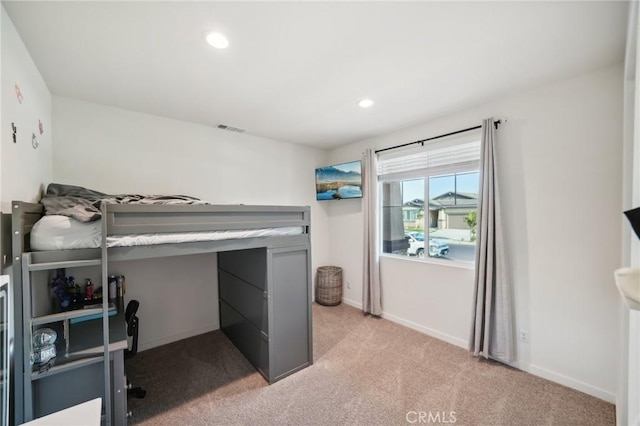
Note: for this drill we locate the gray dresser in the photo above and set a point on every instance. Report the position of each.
(265, 307)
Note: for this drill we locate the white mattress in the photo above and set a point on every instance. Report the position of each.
(55, 232)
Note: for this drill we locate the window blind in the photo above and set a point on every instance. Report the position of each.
(429, 160)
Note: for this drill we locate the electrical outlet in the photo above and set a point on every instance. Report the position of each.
(524, 336)
(349, 285)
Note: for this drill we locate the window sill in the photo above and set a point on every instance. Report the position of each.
(432, 261)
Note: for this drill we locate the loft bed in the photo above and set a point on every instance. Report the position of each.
(264, 281)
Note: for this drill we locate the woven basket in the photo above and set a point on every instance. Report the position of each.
(329, 285)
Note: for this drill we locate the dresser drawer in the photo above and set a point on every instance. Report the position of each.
(248, 265)
(246, 337)
(246, 299)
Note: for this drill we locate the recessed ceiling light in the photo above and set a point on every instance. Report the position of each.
(217, 40)
(365, 103)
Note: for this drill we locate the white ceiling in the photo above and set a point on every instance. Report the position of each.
(295, 71)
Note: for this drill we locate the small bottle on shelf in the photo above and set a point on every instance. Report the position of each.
(120, 286)
(88, 290)
(112, 287)
(73, 290)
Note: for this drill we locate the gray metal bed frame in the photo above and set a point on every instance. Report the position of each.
(281, 276)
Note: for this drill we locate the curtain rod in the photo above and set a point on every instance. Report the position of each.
(422, 141)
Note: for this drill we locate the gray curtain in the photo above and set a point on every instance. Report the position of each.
(371, 296)
(492, 323)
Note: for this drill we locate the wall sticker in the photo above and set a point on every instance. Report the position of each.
(34, 141)
(15, 132)
(19, 93)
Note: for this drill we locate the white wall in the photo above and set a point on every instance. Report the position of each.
(119, 151)
(24, 170)
(560, 156)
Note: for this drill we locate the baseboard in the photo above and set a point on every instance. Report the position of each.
(428, 331)
(414, 326)
(352, 303)
(572, 383)
(533, 369)
(143, 346)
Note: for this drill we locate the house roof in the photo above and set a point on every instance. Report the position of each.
(447, 199)
(417, 202)
(459, 195)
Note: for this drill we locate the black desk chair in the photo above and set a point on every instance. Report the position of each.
(132, 330)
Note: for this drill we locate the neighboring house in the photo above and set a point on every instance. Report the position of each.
(450, 208)
(413, 214)
(446, 211)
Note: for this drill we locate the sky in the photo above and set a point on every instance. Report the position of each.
(354, 166)
(466, 182)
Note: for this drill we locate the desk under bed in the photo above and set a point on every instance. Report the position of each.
(264, 281)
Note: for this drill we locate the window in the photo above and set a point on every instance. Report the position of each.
(444, 227)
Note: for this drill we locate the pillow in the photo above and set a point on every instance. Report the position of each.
(55, 232)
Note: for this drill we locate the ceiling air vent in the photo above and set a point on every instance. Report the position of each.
(230, 128)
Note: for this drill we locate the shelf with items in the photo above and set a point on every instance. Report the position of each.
(68, 319)
(70, 304)
(87, 326)
(82, 344)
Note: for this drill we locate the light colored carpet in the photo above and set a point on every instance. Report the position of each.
(366, 371)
